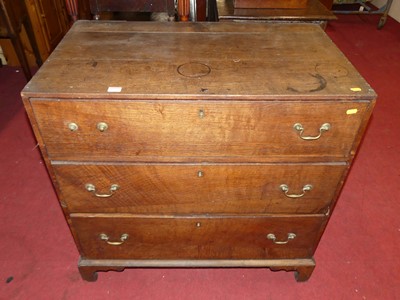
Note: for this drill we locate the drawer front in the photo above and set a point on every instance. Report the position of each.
(197, 130)
(125, 237)
(202, 188)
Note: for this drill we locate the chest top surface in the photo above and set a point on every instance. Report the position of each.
(150, 60)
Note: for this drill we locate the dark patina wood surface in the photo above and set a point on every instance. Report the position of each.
(198, 61)
(195, 124)
(199, 188)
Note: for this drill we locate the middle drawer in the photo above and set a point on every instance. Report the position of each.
(199, 188)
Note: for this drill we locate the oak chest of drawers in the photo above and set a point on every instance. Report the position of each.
(197, 145)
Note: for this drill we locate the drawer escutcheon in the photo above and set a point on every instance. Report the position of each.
(201, 113)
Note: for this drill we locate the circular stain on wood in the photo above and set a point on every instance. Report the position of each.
(308, 84)
(194, 69)
(333, 70)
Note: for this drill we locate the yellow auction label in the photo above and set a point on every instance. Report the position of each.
(351, 111)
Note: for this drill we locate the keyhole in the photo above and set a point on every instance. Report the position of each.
(202, 114)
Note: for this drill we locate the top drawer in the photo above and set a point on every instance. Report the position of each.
(264, 131)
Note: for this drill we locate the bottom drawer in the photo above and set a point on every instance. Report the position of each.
(223, 237)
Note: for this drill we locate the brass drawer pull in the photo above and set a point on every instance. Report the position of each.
(102, 126)
(73, 126)
(91, 188)
(105, 237)
(300, 128)
(285, 189)
(272, 237)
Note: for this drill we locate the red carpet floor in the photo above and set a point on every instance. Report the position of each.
(358, 257)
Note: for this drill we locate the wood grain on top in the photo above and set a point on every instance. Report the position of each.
(257, 61)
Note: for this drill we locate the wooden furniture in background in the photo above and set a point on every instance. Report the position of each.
(72, 9)
(327, 3)
(183, 10)
(13, 18)
(231, 153)
(289, 4)
(49, 22)
(84, 10)
(78, 10)
(99, 6)
(201, 10)
(363, 7)
(314, 12)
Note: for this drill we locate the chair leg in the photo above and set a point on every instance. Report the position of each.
(19, 50)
